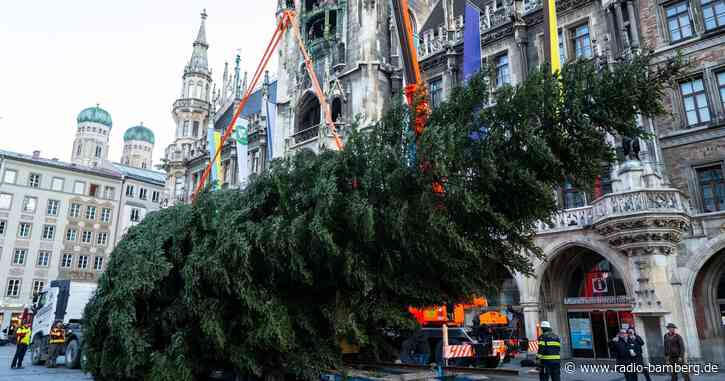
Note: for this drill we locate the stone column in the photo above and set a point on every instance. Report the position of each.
(633, 25)
(531, 319)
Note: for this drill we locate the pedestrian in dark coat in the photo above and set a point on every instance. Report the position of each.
(675, 350)
(623, 350)
(638, 343)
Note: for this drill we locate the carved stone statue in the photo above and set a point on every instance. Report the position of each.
(631, 148)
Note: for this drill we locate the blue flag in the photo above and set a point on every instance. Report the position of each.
(471, 41)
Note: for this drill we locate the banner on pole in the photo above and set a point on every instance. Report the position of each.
(213, 141)
(471, 41)
(241, 137)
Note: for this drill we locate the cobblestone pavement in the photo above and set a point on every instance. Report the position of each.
(35, 373)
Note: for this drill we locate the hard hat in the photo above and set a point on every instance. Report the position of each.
(545, 324)
(670, 325)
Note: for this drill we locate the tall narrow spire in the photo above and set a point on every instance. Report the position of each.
(201, 37)
(237, 78)
(199, 60)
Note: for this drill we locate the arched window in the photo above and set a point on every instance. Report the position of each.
(186, 128)
(79, 149)
(336, 110)
(199, 90)
(308, 114)
(99, 151)
(188, 90)
(206, 93)
(143, 165)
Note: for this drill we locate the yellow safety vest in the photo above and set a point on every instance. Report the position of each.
(23, 335)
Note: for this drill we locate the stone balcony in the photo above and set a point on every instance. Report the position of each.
(191, 103)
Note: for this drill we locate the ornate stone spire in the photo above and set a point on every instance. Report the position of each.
(237, 78)
(199, 62)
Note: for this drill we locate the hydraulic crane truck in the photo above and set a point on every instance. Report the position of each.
(483, 344)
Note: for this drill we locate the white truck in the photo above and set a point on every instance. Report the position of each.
(64, 301)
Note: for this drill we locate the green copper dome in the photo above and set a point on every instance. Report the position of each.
(95, 115)
(139, 133)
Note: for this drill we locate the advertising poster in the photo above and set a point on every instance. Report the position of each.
(581, 333)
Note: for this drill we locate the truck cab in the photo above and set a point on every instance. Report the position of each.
(64, 301)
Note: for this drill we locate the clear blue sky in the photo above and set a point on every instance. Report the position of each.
(59, 57)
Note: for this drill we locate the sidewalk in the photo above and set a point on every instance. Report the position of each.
(35, 373)
(578, 370)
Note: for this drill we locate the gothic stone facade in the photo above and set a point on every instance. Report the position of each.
(651, 250)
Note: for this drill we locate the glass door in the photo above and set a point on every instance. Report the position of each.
(599, 331)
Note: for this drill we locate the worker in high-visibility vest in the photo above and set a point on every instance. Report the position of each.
(548, 355)
(56, 343)
(22, 337)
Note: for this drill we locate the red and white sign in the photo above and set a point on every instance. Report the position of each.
(455, 351)
(533, 346)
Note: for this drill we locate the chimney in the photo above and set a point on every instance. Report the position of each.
(36, 154)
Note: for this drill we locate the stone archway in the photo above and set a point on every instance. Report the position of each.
(708, 301)
(586, 295)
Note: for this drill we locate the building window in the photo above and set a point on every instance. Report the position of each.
(713, 13)
(155, 196)
(24, 230)
(98, 264)
(129, 190)
(109, 193)
(581, 41)
(90, 212)
(143, 193)
(10, 176)
(678, 21)
(186, 128)
(79, 187)
(572, 197)
(102, 239)
(87, 237)
(93, 190)
(48, 232)
(67, 261)
(13, 290)
(75, 210)
(70, 234)
(436, 92)
(721, 86)
(105, 215)
(37, 289)
(135, 215)
(695, 102)
(562, 50)
(6, 200)
(3, 227)
(195, 128)
(712, 188)
(502, 70)
(82, 262)
(29, 204)
(57, 184)
(43, 258)
(99, 150)
(53, 208)
(19, 256)
(34, 180)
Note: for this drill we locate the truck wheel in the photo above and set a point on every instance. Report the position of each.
(36, 350)
(72, 355)
(492, 362)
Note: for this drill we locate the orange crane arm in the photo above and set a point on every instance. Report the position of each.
(287, 19)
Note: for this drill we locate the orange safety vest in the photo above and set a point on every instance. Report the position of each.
(57, 336)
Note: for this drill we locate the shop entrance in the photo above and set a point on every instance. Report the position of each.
(585, 299)
(591, 331)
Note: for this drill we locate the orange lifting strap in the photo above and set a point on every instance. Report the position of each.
(287, 19)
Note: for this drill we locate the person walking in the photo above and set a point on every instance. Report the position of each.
(623, 349)
(675, 351)
(56, 343)
(548, 354)
(638, 343)
(22, 339)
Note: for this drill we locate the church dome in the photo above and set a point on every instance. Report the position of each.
(95, 115)
(139, 133)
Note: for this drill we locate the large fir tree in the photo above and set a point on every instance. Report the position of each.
(337, 245)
